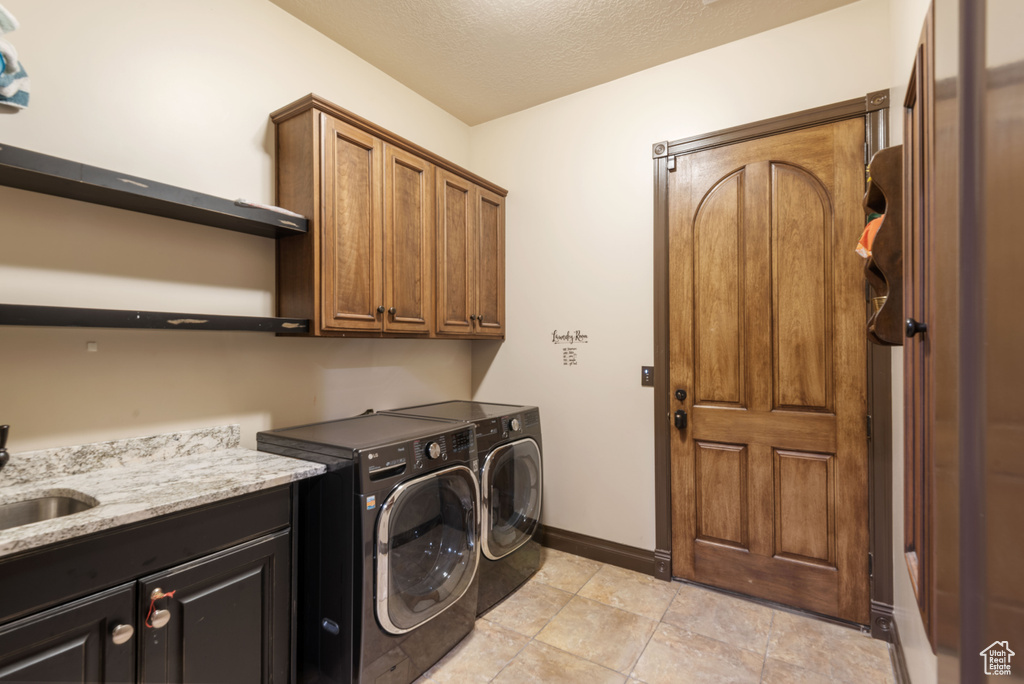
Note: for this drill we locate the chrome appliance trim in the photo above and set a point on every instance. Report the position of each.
(383, 527)
(485, 497)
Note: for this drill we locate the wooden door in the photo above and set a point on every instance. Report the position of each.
(769, 490)
(229, 617)
(456, 261)
(352, 228)
(73, 643)
(408, 240)
(490, 263)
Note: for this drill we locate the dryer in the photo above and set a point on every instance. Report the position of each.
(509, 445)
(388, 545)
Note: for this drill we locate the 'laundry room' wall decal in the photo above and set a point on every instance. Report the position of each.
(570, 354)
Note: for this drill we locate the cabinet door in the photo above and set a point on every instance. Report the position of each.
(490, 263)
(408, 240)
(352, 229)
(229, 617)
(73, 642)
(455, 256)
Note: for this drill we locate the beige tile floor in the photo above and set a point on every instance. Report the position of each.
(577, 620)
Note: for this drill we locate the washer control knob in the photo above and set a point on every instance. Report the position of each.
(433, 450)
(515, 425)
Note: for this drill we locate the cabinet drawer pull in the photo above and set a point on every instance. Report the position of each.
(121, 634)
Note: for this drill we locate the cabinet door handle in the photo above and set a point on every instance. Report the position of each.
(381, 309)
(472, 317)
(121, 634)
(915, 327)
(480, 318)
(392, 311)
(160, 618)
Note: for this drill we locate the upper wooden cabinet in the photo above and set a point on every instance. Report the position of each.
(401, 241)
(470, 259)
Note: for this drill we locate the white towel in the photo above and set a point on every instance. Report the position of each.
(7, 21)
(14, 89)
(8, 57)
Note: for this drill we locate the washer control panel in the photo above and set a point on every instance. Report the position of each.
(492, 431)
(418, 456)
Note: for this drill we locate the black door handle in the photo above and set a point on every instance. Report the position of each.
(914, 327)
(680, 420)
(681, 394)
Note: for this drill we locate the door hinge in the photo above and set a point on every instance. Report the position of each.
(870, 426)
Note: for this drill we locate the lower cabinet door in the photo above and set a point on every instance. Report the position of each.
(223, 618)
(74, 642)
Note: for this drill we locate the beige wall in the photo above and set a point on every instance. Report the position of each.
(906, 22)
(180, 92)
(579, 243)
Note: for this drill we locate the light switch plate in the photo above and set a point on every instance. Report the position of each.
(647, 376)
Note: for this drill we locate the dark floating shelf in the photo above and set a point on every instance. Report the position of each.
(37, 172)
(63, 316)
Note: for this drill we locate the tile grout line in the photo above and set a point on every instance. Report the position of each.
(767, 645)
(657, 622)
(534, 637)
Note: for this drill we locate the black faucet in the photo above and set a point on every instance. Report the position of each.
(4, 456)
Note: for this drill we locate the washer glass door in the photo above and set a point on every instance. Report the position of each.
(427, 550)
(511, 497)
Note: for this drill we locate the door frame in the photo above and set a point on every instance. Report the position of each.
(873, 108)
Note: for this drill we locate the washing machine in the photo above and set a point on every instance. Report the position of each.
(388, 545)
(508, 440)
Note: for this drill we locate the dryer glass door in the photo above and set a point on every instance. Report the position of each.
(511, 482)
(427, 550)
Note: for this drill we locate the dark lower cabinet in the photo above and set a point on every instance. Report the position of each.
(74, 642)
(226, 622)
(88, 611)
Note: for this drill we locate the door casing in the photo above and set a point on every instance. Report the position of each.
(873, 109)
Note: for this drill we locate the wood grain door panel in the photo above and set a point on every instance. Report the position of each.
(766, 316)
(490, 263)
(352, 228)
(805, 506)
(721, 484)
(784, 580)
(802, 244)
(718, 248)
(455, 255)
(408, 240)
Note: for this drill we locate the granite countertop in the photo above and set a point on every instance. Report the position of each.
(137, 479)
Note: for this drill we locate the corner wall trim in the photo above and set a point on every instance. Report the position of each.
(600, 550)
(882, 621)
(899, 661)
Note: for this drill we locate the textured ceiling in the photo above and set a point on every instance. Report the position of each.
(482, 59)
